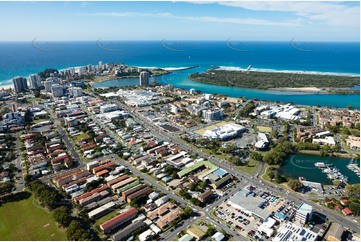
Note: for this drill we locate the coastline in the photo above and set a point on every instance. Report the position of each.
(7, 87)
(314, 90)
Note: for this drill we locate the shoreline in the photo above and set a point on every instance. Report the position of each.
(7, 83)
(315, 90)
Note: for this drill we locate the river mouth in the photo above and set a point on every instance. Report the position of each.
(303, 165)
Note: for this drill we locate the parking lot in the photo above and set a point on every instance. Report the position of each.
(247, 225)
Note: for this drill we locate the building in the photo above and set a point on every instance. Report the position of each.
(203, 197)
(293, 232)
(243, 200)
(218, 236)
(335, 232)
(35, 82)
(76, 91)
(353, 142)
(262, 142)
(197, 232)
(212, 114)
(303, 213)
(57, 90)
(186, 237)
(48, 84)
(192, 91)
(174, 109)
(227, 131)
(108, 108)
(20, 84)
(100, 65)
(144, 78)
(122, 234)
(118, 220)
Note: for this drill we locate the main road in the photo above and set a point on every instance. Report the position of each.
(345, 221)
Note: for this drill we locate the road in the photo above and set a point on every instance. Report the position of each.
(345, 221)
(151, 181)
(20, 185)
(65, 139)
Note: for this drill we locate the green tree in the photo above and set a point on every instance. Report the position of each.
(256, 156)
(76, 232)
(5, 188)
(355, 208)
(294, 184)
(353, 190)
(62, 215)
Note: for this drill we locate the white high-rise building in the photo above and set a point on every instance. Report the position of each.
(35, 82)
(144, 78)
(76, 91)
(48, 84)
(100, 65)
(303, 213)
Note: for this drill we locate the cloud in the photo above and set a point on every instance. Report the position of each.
(332, 13)
(248, 21)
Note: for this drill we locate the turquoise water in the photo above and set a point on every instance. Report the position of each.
(25, 58)
(303, 165)
(180, 79)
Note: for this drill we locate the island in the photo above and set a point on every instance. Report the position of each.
(280, 81)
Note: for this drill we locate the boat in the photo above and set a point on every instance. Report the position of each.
(320, 164)
(327, 170)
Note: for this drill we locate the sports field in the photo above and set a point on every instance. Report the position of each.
(26, 220)
(264, 129)
(210, 127)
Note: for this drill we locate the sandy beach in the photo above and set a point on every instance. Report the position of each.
(6, 87)
(301, 89)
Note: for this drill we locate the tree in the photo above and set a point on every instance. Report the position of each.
(355, 208)
(256, 156)
(192, 187)
(271, 175)
(294, 184)
(337, 183)
(6, 187)
(187, 211)
(353, 190)
(62, 215)
(76, 232)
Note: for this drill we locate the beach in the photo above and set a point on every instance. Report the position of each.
(6, 87)
(300, 89)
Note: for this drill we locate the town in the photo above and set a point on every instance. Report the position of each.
(154, 162)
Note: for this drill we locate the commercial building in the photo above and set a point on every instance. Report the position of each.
(335, 232)
(303, 213)
(293, 232)
(262, 142)
(144, 78)
(245, 201)
(20, 84)
(224, 132)
(118, 220)
(108, 108)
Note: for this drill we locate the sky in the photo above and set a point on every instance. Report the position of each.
(253, 20)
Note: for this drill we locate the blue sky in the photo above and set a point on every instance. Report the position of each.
(266, 21)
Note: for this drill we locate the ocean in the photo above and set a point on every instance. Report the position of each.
(25, 58)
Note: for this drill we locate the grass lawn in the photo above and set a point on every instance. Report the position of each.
(22, 220)
(106, 218)
(80, 136)
(251, 168)
(264, 129)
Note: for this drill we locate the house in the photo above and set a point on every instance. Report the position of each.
(118, 220)
(346, 211)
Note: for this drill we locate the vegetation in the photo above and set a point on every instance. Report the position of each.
(46, 73)
(279, 153)
(265, 80)
(76, 232)
(23, 220)
(247, 109)
(294, 184)
(62, 215)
